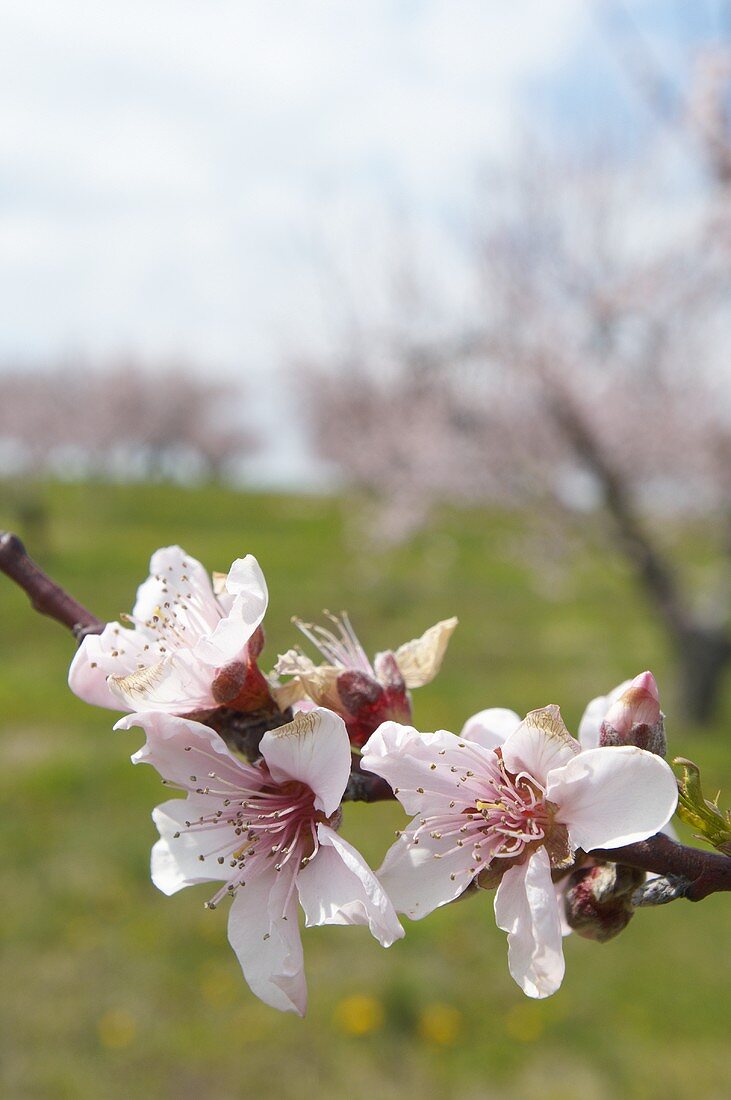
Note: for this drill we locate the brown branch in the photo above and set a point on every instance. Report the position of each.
(366, 786)
(242, 732)
(45, 595)
(705, 872)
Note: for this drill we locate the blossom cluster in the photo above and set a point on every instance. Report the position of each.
(511, 805)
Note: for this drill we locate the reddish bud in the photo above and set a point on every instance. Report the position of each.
(229, 682)
(366, 703)
(358, 690)
(635, 718)
(598, 901)
(256, 643)
(241, 686)
(639, 704)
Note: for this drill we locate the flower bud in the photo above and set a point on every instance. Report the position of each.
(358, 690)
(365, 694)
(241, 686)
(635, 718)
(366, 703)
(598, 901)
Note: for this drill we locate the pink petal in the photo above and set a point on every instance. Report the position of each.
(95, 660)
(338, 887)
(264, 932)
(176, 858)
(594, 715)
(302, 706)
(490, 727)
(526, 908)
(613, 796)
(419, 878)
(313, 748)
(176, 683)
(540, 743)
(417, 765)
(186, 752)
(246, 583)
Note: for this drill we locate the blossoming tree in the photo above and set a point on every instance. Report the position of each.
(585, 366)
(570, 834)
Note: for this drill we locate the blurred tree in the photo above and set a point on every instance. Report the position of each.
(121, 420)
(595, 371)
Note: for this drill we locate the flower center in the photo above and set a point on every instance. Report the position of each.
(274, 826)
(182, 616)
(517, 814)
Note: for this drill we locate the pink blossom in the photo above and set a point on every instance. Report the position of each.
(186, 647)
(268, 832)
(510, 809)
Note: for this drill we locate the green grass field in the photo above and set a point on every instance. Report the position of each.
(112, 990)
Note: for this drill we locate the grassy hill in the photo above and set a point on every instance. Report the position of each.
(113, 990)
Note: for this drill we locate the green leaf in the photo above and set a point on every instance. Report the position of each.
(712, 823)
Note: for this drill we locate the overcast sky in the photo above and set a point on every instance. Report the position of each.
(205, 176)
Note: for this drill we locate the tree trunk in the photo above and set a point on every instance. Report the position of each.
(703, 652)
(703, 656)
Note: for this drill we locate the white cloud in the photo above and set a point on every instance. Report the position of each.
(172, 171)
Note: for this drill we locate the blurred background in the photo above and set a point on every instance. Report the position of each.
(427, 304)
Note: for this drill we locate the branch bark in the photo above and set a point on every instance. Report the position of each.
(45, 595)
(706, 872)
(366, 786)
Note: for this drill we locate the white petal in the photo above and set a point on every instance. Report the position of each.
(490, 727)
(526, 908)
(115, 652)
(264, 933)
(540, 743)
(417, 765)
(246, 580)
(246, 583)
(594, 715)
(338, 887)
(613, 796)
(176, 683)
(418, 878)
(176, 858)
(165, 870)
(174, 574)
(186, 752)
(561, 888)
(313, 748)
